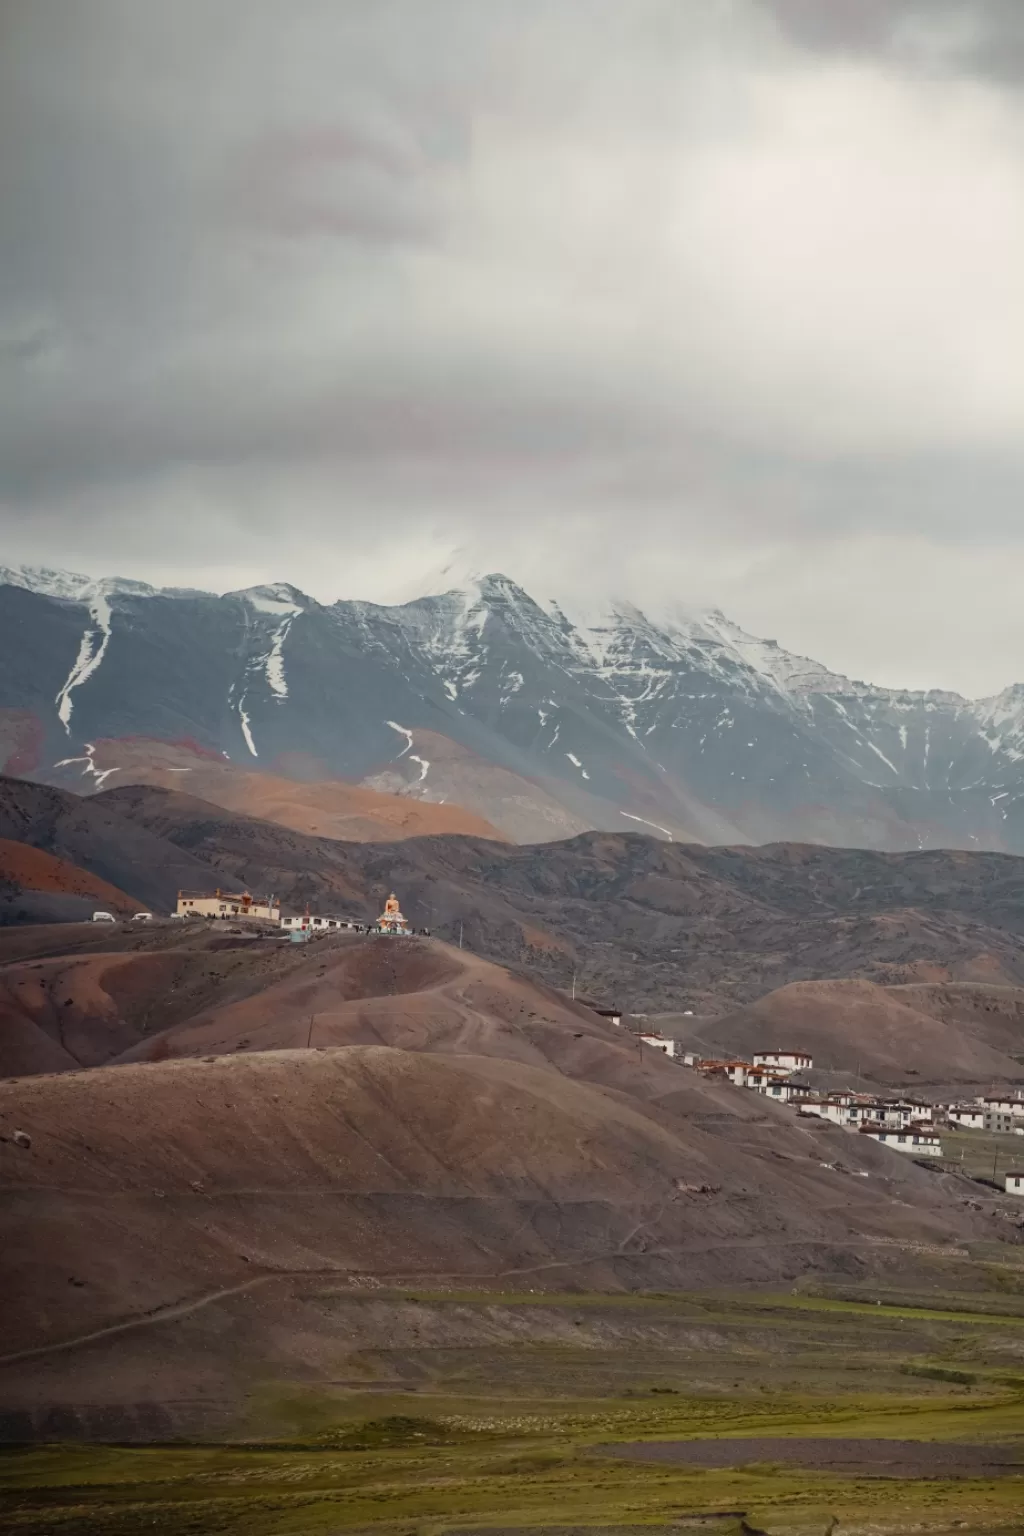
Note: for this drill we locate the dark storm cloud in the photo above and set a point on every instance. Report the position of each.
(983, 37)
(672, 291)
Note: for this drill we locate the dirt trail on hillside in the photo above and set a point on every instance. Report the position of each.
(414, 994)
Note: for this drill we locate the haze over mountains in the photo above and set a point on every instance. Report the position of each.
(540, 722)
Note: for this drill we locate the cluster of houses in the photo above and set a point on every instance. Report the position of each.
(902, 1123)
(906, 1124)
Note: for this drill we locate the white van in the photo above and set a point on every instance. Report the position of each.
(143, 917)
(104, 917)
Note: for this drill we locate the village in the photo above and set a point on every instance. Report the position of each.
(908, 1125)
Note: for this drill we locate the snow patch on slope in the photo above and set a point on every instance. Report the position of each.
(243, 720)
(91, 652)
(101, 775)
(644, 822)
(402, 731)
(279, 602)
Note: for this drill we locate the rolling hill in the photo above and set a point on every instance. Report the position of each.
(884, 1034)
(647, 925)
(178, 1233)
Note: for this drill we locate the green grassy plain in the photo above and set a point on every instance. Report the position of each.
(501, 1439)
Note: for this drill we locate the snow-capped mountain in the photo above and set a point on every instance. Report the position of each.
(543, 718)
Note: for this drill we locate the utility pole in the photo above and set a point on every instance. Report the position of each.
(460, 935)
(574, 984)
(309, 1037)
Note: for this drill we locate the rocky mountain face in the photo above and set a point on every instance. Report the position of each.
(544, 721)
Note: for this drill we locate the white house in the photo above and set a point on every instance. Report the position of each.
(789, 1061)
(762, 1078)
(1002, 1106)
(919, 1141)
(969, 1117)
(854, 1110)
(737, 1072)
(1015, 1183)
(660, 1043)
(786, 1092)
(305, 923)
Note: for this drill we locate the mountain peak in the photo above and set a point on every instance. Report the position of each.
(276, 597)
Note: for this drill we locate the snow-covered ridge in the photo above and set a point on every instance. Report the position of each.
(277, 598)
(69, 586)
(448, 619)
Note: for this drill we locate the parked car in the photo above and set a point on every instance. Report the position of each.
(104, 917)
(143, 917)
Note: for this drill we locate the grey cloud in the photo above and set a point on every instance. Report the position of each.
(977, 37)
(650, 290)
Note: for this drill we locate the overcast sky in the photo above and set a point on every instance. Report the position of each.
(721, 300)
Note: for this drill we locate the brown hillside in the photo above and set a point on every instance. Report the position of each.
(417, 994)
(993, 1015)
(162, 1222)
(848, 1025)
(648, 925)
(328, 809)
(175, 1229)
(30, 869)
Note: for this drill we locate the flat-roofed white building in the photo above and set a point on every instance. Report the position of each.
(997, 1105)
(660, 1043)
(225, 904)
(919, 1141)
(1014, 1184)
(789, 1061)
(312, 923)
(969, 1117)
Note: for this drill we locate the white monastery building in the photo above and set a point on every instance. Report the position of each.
(222, 904)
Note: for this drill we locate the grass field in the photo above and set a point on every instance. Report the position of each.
(984, 1155)
(504, 1439)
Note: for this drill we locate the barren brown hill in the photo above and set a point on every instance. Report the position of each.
(650, 925)
(35, 886)
(82, 1010)
(858, 1027)
(646, 924)
(325, 809)
(524, 809)
(80, 996)
(993, 1015)
(174, 1232)
(92, 834)
(419, 994)
(179, 990)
